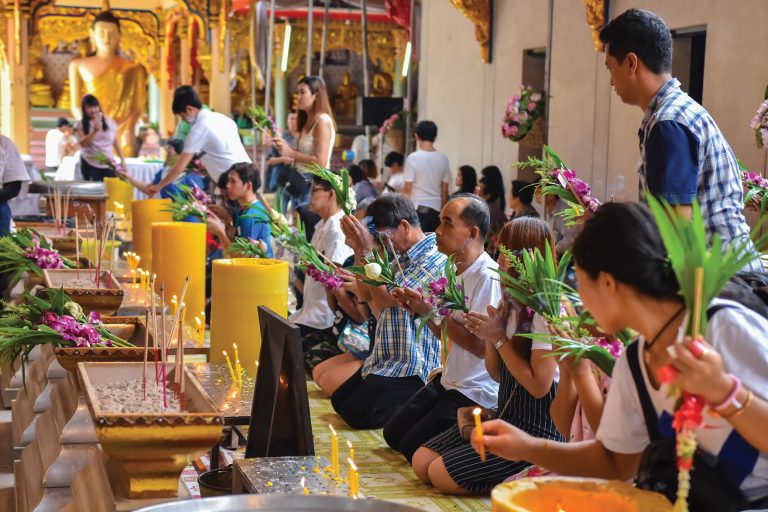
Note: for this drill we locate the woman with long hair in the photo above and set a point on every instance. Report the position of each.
(466, 180)
(625, 282)
(97, 135)
(491, 188)
(317, 129)
(526, 373)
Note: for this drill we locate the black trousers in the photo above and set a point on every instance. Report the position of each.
(429, 218)
(368, 403)
(429, 412)
(91, 173)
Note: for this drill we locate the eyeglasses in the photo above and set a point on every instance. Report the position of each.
(315, 189)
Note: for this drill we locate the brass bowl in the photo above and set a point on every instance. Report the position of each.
(148, 451)
(105, 300)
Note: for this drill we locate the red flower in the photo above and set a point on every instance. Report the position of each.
(688, 417)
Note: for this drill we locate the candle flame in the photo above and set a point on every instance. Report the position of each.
(257, 364)
(476, 411)
(349, 443)
(333, 430)
(225, 353)
(235, 346)
(303, 482)
(559, 508)
(352, 464)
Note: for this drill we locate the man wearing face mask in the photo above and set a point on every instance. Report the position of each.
(212, 133)
(464, 382)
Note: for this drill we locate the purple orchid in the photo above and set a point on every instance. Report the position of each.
(82, 335)
(613, 346)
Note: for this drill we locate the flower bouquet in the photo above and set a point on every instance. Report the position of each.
(58, 321)
(759, 123)
(111, 163)
(28, 251)
(446, 295)
(396, 122)
(701, 270)
(190, 201)
(316, 264)
(521, 113)
(345, 196)
(755, 188)
(377, 270)
(262, 120)
(557, 179)
(245, 248)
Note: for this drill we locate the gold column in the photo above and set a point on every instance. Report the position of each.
(186, 63)
(167, 119)
(17, 102)
(221, 99)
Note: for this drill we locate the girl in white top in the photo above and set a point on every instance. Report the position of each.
(317, 129)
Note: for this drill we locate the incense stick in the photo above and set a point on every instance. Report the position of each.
(697, 299)
(77, 247)
(178, 311)
(146, 349)
(162, 325)
(394, 254)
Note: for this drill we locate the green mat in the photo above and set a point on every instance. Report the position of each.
(384, 473)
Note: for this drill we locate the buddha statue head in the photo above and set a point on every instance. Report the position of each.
(105, 34)
(346, 77)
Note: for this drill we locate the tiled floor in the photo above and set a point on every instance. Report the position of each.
(384, 474)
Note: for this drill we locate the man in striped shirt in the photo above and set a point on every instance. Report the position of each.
(683, 154)
(399, 362)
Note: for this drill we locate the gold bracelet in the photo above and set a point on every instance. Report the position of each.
(740, 410)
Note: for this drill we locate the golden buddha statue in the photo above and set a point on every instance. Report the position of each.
(382, 83)
(119, 84)
(64, 101)
(40, 93)
(345, 102)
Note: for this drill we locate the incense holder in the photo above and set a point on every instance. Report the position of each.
(104, 299)
(149, 446)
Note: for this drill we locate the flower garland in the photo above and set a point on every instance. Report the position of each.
(759, 124)
(521, 112)
(701, 269)
(190, 201)
(28, 251)
(345, 195)
(58, 321)
(555, 178)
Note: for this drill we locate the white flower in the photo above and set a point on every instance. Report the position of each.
(74, 309)
(277, 217)
(373, 271)
(351, 200)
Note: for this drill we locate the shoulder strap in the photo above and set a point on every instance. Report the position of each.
(714, 309)
(649, 413)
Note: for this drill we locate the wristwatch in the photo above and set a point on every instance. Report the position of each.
(501, 342)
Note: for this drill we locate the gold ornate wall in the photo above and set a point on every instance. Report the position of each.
(596, 11)
(479, 13)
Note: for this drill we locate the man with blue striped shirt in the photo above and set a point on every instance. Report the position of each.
(683, 154)
(399, 362)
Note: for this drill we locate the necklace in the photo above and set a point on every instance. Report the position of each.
(647, 351)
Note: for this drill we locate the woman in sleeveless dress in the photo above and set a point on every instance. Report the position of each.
(527, 379)
(317, 129)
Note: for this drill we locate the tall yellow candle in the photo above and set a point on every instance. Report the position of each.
(178, 250)
(353, 479)
(239, 286)
(334, 452)
(351, 451)
(479, 432)
(229, 365)
(144, 214)
(120, 194)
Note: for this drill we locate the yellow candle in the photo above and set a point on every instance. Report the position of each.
(144, 214)
(120, 193)
(334, 452)
(353, 479)
(304, 488)
(479, 432)
(239, 286)
(175, 303)
(351, 451)
(239, 371)
(133, 275)
(229, 364)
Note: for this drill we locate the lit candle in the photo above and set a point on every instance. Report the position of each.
(237, 366)
(133, 274)
(304, 488)
(334, 452)
(351, 450)
(479, 428)
(353, 479)
(229, 364)
(175, 303)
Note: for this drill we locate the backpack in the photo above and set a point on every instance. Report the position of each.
(750, 289)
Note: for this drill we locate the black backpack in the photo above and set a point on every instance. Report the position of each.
(750, 289)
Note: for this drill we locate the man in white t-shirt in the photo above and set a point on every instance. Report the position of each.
(464, 382)
(316, 318)
(426, 176)
(211, 133)
(12, 173)
(59, 142)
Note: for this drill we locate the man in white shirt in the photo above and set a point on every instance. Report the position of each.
(316, 319)
(59, 142)
(464, 225)
(212, 133)
(427, 175)
(12, 173)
